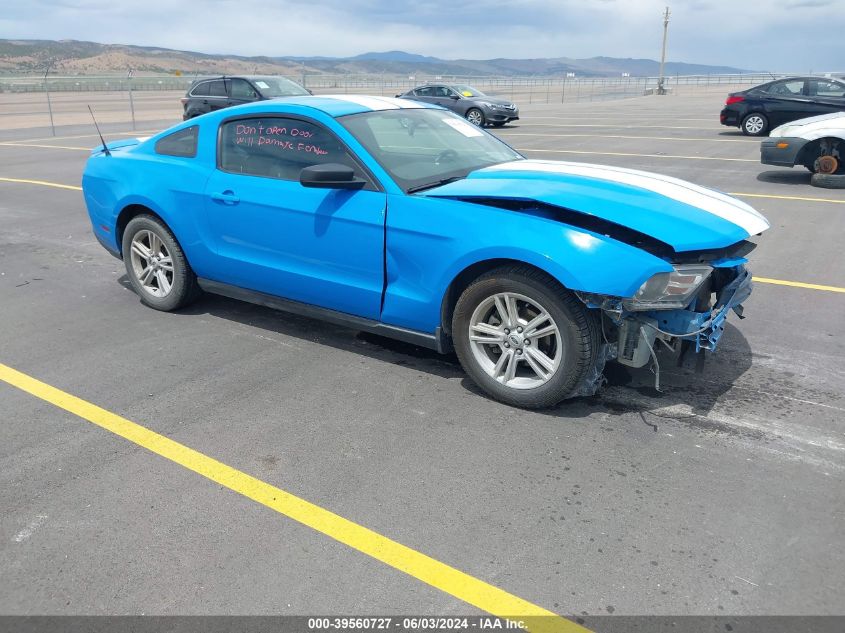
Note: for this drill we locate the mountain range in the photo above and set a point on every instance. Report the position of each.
(90, 58)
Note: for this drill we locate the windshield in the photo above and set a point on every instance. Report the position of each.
(279, 87)
(423, 147)
(468, 91)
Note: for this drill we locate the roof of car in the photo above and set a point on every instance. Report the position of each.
(337, 105)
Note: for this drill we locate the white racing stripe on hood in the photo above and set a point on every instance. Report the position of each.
(376, 103)
(717, 203)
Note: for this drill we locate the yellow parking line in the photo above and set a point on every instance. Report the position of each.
(575, 151)
(416, 564)
(633, 127)
(798, 284)
(84, 149)
(644, 138)
(43, 183)
(803, 199)
(93, 135)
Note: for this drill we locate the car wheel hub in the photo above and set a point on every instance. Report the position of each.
(754, 124)
(151, 264)
(826, 165)
(515, 340)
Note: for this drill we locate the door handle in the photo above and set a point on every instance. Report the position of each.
(227, 197)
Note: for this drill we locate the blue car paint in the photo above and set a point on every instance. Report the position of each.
(680, 225)
(429, 239)
(319, 246)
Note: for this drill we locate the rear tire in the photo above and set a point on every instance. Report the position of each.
(828, 181)
(755, 124)
(523, 338)
(156, 265)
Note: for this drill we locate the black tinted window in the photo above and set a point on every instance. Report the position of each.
(241, 89)
(201, 89)
(428, 91)
(791, 88)
(216, 88)
(182, 143)
(825, 88)
(278, 148)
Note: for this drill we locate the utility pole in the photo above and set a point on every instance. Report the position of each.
(661, 89)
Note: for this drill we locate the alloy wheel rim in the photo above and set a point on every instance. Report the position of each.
(754, 124)
(152, 263)
(474, 117)
(515, 340)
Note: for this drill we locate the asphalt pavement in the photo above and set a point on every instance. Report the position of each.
(721, 495)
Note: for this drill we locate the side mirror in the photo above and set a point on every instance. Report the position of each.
(455, 97)
(330, 176)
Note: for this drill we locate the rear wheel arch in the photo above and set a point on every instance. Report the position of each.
(132, 211)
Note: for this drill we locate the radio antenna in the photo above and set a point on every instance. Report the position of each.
(102, 140)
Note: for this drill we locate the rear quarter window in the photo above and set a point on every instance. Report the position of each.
(182, 143)
(217, 88)
(201, 89)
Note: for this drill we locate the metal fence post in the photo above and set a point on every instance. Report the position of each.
(49, 103)
(131, 100)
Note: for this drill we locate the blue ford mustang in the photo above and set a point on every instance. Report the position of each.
(401, 218)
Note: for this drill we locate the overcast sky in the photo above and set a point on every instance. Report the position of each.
(781, 35)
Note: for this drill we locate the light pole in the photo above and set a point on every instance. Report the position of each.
(661, 90)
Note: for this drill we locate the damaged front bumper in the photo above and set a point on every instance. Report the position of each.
(630, 337)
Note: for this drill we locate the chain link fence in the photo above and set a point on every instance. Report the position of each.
(29, 102)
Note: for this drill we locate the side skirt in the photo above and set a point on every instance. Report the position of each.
(436, 341)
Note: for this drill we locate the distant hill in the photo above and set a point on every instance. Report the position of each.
(74, 57)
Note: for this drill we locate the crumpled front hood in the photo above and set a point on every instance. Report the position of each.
(683, 215)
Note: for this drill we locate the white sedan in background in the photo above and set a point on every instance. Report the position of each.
(818, 143)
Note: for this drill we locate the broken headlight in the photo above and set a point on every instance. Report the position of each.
(669, 291)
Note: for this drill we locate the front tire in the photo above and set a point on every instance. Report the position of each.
(523, 338)
(755, 124)
(156, 265)
(475, 116)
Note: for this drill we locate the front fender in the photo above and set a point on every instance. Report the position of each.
(431, 241)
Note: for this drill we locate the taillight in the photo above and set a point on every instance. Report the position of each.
(734, 99)
(184, 100)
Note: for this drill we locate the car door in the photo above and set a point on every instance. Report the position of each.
(448, 98)
(241, 91)
(218, 96)
(825, 96)
(785, 101)
(426, 94)
(322, 247)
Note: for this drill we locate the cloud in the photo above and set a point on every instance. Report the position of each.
(773, 36)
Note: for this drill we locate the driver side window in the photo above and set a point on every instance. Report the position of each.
(277, 147)
(241, 89)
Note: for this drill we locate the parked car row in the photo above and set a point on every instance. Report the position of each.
(214, 93)
(804, 118)
(758, 110)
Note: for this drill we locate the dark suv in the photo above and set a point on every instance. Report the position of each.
(216, 93)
